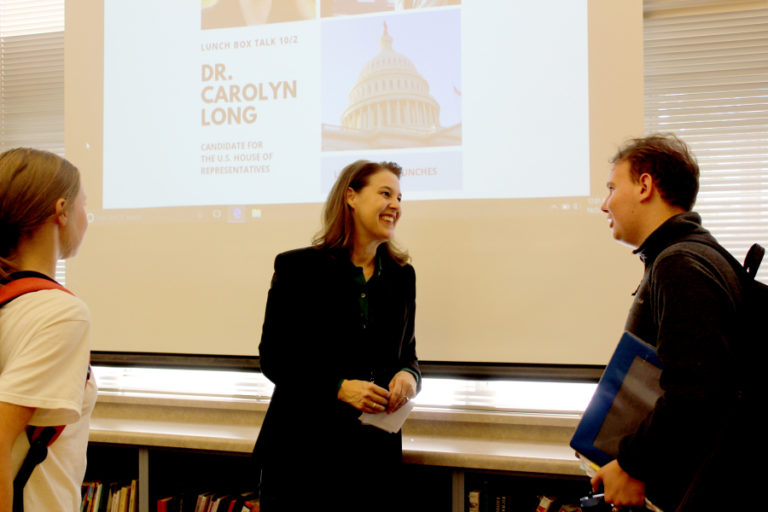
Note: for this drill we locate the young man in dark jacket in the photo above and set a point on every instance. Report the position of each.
(687, 305)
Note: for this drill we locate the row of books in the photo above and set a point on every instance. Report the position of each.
(210, 502)
(115, 497)
(112, 497)
(483, 501)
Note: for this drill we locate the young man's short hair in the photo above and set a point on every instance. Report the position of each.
(668, 161)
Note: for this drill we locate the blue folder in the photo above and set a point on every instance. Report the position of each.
(626, 393)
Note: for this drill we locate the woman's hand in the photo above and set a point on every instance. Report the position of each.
(402, 388)
(364, 396)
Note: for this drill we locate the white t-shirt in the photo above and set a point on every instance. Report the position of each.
(44, 358)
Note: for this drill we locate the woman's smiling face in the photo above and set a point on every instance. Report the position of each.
(375, 208)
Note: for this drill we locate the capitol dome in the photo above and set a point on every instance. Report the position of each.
(391, 94)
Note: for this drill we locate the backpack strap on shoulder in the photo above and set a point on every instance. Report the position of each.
(20, 286)
(39, 440)
(751, 262)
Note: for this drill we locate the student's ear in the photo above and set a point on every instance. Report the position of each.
(60, 214)
(646, 186)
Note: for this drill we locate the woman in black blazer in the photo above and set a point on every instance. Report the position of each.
(338, 341)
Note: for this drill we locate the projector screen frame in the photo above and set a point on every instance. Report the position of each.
(616, 116)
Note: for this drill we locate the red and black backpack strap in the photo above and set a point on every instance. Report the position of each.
(21, 285)
(40, 438)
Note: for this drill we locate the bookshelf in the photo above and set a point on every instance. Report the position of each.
(163, 472)
(194, 445)
(503, 491)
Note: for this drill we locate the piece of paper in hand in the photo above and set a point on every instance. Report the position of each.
(388, 422)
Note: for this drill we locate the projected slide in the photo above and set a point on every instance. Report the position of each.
(263, 102)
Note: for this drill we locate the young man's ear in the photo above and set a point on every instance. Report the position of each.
(646, 186)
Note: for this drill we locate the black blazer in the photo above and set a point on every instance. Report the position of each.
(314, 336)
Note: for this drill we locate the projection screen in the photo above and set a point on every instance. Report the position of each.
(208, 135)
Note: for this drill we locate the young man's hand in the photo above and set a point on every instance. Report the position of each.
(620, 489)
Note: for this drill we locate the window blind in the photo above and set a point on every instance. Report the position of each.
(32, 78)
(706, 79)
(32, 74)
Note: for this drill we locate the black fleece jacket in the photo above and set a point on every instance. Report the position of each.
(687, 306)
